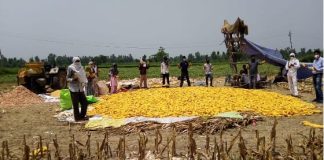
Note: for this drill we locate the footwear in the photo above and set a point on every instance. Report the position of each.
(79, 120)
(314, 100)
(85, 118)
(297, 96)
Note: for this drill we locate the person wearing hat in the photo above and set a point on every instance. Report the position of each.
(292, 66)
(165, 71)
(318, 76)
(77, 80)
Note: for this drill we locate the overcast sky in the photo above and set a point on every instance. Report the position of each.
(82, 27)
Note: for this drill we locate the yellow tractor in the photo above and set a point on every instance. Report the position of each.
(40, 78)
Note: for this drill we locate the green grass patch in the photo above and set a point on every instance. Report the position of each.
(5, 70)
(8, 78)
(130, 71)
(8, 75)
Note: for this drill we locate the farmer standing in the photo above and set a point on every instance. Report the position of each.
(113, 78)
(77, 80)
(165, 71)
(318, 76)
(91, 75)
(184, 65)
(208, 72)
(253, 71)
(292, 66)
(143, 66)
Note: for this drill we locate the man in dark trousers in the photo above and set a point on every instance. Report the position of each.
(318, 76)
(77, 80)
(208, 68)
(184, 65)
(253, 71)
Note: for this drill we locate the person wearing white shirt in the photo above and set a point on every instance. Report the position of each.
(77, 81)
(208, 72)
(292, 66)
(165, 71)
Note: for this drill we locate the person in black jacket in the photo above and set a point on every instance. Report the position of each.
(184, 65)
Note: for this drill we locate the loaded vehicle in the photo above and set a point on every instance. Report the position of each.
(40, 77)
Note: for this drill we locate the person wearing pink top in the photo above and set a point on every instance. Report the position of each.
(113, 78)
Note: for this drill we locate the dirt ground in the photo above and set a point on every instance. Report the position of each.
(32, 121)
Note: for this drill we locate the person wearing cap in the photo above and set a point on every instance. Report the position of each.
(143, 67)
(77, 81)
(165, 71)
(184, 65)
(113, 72)
(292, 66)
(91, 75)
(318, 76)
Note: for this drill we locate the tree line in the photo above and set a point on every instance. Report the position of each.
(102, 60)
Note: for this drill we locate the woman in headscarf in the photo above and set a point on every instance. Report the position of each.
(113, 78)
(91, 75)
(77, 81)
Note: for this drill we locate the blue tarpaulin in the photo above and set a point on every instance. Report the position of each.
(271, 56)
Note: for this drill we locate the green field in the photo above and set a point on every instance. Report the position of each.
(130, 71)
(195, 71)
(8, 75)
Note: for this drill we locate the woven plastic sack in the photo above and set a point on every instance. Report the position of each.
(65, 99)
(92, 99)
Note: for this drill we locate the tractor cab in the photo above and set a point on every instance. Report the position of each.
(39, 77)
